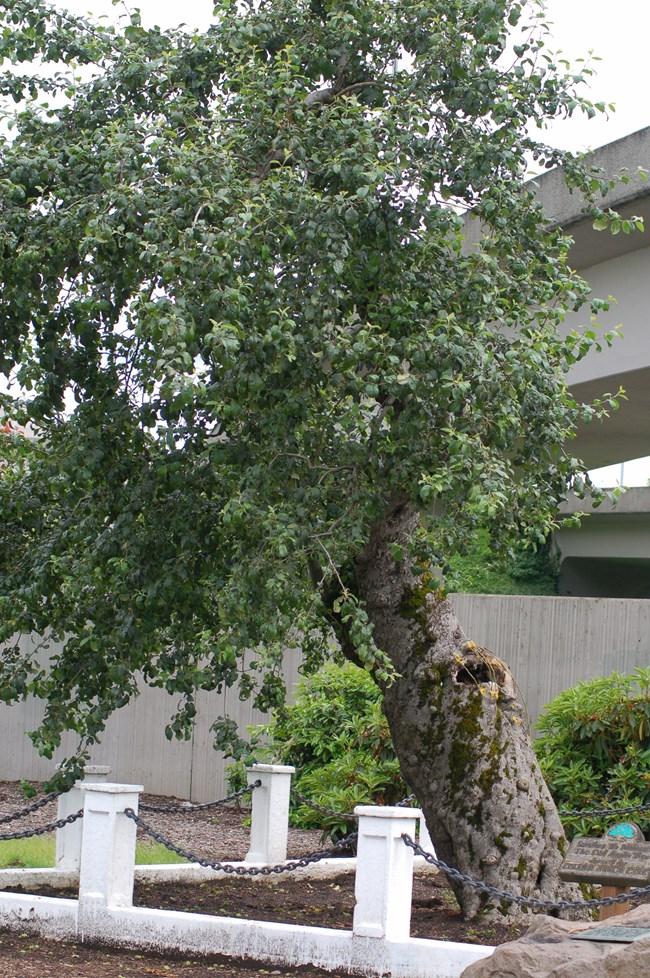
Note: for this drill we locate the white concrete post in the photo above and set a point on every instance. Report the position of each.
(424, 840)
(270, 816)
(384, 879)
(107, 850)
(68, 839)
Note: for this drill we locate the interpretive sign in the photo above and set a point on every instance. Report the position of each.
(607, 862)
(623, 935)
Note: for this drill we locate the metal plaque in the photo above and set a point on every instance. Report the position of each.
(604, 932)
(626, 830)
(607, 862)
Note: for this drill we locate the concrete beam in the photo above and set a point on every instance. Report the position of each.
(633, 502)
(566, 209)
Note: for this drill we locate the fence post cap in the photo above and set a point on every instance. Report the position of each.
(272, 768)
(90, 768)
(388, 811)
(109, 788)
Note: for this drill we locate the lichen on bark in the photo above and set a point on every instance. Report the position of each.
(461, 732)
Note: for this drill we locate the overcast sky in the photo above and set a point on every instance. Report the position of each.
(617, 33)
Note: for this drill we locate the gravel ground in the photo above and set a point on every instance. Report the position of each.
(216, 833)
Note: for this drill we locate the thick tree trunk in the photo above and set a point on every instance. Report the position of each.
(461, 734)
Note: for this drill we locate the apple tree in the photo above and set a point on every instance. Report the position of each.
(268, 382)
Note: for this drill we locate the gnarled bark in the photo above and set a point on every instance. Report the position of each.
(461, 733)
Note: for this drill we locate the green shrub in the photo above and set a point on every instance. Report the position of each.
(528, 570)
(594, 749)
(337, 737)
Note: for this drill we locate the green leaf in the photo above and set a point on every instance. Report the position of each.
(240, 317)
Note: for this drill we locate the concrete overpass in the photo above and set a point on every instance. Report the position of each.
(617, 265)
(609, 555)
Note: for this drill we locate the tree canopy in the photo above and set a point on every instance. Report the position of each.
(239, 316)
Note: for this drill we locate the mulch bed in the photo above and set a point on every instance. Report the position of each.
(220, 834)
(26, 956)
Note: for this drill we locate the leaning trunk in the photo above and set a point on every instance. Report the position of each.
(461, 734)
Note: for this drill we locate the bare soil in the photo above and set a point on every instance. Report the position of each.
(221, 834)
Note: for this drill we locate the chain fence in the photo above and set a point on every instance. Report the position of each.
(30, 809)
(348, 816)
(239, 870)
(409, 799)
(635, 893)
(604, 812)
(187, 808)
(42, 829)
(349, 842)
(346, 844)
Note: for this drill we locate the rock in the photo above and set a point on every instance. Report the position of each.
(547, 951)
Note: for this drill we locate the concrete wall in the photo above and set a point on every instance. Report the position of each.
(134, 743)
(550, 644)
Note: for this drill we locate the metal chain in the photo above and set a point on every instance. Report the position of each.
(50, 827)
(34, 807)
(348, 816)
(187, 807)
(405, 802)
(595, 812)
(635, 893)
(238, 870)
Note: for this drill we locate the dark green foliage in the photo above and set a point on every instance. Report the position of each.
(481, 570)
(594, 748)
(237, 312)
(337, 737)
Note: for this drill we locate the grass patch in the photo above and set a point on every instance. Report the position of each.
(155, 855)
(33, 853)
(39, 853)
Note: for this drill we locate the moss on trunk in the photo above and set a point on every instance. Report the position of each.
(461, 733)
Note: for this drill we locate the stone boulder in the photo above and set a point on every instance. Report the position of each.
(547, 951)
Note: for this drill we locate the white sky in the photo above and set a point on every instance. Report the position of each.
(616, 33)
(628, 474)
